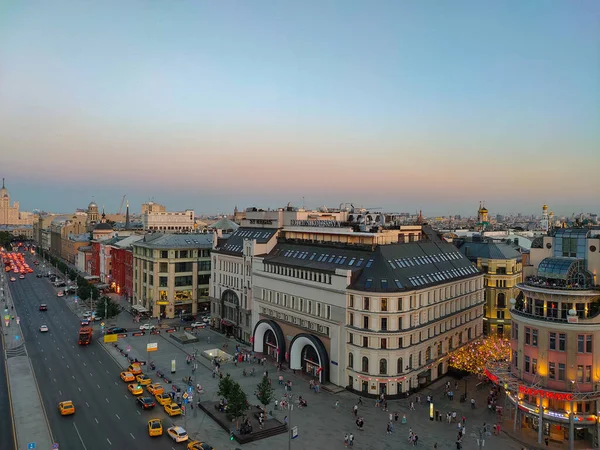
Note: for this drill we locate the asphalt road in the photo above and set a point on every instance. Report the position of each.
(6, 430)
(106, 414)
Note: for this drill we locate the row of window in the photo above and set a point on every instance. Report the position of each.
(163, 267)
(303, 274)
(584, 372)
(299, 304)
(388, 343)
(177, 254)
(312, 326)
(555, 310)
(383, 365)
(556, 341)
(232, 267)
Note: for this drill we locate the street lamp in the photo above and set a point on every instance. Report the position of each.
(290, 407)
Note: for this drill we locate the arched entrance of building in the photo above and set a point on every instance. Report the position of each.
(230, 312)
(308, 354)
(269, 340)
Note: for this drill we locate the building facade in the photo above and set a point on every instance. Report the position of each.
(502, 268)
(71, 245)
(122, 266)
(553, 380)
(171, 273)
(168, 222)
(84, 259)
(9, 214)
(374, 311)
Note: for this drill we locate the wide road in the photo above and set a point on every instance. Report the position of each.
(106, 414)
(6, 430)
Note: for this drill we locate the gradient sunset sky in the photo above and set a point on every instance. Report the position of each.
(405, 105)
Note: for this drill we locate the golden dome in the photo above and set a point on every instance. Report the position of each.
(483, 210)
(545, 207)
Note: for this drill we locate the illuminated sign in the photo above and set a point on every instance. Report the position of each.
(545, 394)
(493, 378)
(315, 223)
(261, 221)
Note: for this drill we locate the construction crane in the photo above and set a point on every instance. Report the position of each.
(122, 203)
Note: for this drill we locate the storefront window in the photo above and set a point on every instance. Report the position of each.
(183, 295)
(163, 296)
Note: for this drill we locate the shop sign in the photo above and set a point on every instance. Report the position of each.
(315, 223)
(545, 394)
(493, 378)
(260, 221)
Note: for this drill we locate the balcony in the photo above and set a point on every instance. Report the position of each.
(557, 285)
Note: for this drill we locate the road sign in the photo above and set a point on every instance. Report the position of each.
(17, 337)
(54, 446)
(18, 320)
(152, 346)
(111, 338)
(102, 324)
(30, 445)
(189, 389)
(294, 432)
(128, 348)
(185, 396)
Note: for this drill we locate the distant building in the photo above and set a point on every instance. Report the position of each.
(122, 266)
(10, 215)
(168, 222)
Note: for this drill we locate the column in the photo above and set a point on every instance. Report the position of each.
(571, 429)
(541, 423)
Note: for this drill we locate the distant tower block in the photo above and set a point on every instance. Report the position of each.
(545, 222)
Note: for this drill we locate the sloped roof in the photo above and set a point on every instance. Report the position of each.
(235, 243)
(489, 250)
(128, 241)
(183, 241)
(223, 224)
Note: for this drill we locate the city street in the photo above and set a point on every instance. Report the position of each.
(106, 416)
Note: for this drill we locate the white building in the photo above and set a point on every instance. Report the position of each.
(168, 222)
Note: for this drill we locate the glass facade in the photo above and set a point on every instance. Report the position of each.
(571, 271)
(571, 243)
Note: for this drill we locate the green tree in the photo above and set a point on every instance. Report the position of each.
(84, 291)
(237, 403)
(225, 387)
(5, 238)
(72, 275)
(265, 392)
(108, 306)
(94, 292)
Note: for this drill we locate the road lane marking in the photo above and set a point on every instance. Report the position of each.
(87, 404)
(91, 375)
(79, 389)
(139, 413)
(108, 372)
(83, 363)
(73, 376)
(109, 441)
(54, 380)
(60, 393)
(80, 439)
(131, 434)
(105, 398)
(116, 384)
(45, 359)
(68, 366)
(118, 416)
(96, 420)
(49, 368)
(98, 386)
(62, 356)
(127, 397)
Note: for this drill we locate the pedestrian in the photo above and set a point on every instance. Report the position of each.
(412, 406)
(351, 440)
(415, 439)
(359, 401)
(389, 428)
(337, 404)
(396, 415)
(346, 440)
(546, 440)
(391, 417)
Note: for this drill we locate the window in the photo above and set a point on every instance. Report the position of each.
(352, 301)
(515, 332)
(384, 324)
(351, 360)
(383, 343)
(184, 266)
(584, 343)
(366, 303)
(534, 366)
(400, 304)
(516, 359)
(163, 281)
(500, 314)
(552, 370)
(384, 285)
(384, 304)
(527, 364)
(552, 343)
(365, 364)
(399, 366)
(561, 372)
(164, 254)
(365, 341)
(588, 374)
(562, 342)
(501, 301)
(534, 337)
(382, 366)
(163, 267)
(580, 374)
(185, 280)
(366, 322)
(351, 319)
(183, 253)
(368, 283)
(527, 336)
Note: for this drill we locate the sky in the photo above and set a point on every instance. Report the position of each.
(404, 105)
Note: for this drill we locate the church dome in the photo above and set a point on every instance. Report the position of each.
(92, 205)
(103, 226)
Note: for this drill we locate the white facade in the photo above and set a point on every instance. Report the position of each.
(168, 222)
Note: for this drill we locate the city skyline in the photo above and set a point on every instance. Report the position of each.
(206, 106)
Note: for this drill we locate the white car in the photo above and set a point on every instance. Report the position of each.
(44, 329)
(198, 325)
(60, 294)
(178, 434)
(147, 326)
(206, 319)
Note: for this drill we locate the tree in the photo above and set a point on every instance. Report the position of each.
(225, 387)
(94, 292)
(107, 308)
(5, 238)
(72, 275)
(237, 403)
(474, 356)
(265, 392)
(83, 291)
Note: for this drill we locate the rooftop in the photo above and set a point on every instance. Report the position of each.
(235, 243)
(182, 241)
(489, 250)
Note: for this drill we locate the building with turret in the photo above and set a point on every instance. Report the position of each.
(10, 215)
(545, 222)
(482, 217)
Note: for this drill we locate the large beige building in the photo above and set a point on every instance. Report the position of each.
(168, 222)
(376, 311)
(10, 215)
(171, 273)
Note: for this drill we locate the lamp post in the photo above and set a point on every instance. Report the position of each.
(290, 408)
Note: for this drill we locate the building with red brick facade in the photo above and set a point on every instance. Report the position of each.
(122, 266)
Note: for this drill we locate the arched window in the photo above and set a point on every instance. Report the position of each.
(383, 367)
(365, 364)
(350, 360)
(400, 366)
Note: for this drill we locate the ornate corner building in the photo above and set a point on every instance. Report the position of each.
(553, 379)
(374, 311)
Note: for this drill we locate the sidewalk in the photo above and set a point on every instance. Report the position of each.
(30, 420)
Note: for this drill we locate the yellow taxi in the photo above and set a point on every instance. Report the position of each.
(135, 369)
(155, 427)
(127, 377)
(144, 380)
(163, 399)
(155, 388)
(172, 409)
(199, 445)
(135, 389)
(66, 408)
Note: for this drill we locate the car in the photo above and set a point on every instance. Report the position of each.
(155, 388)
(60, 294)
(13, 279)
(198, 325)
(39, 275)
(163, 398)
(155, 427)
(197, 445)
(206, 319)
(178, 434)
(143, 379)
(43, 307)
(147, 326)
(21, 277)
(146, 402)
(116, 330)
(135, 389)
(44, 329)
(85, 323)
(135, 368)
(172, 409)
(66, 408)
(127, 377)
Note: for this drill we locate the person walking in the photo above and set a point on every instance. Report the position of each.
(346, 440)
(351, 440)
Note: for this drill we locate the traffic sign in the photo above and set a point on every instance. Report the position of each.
(185, 396)
(189, 389)
(102, 324)
(31, 445)
(16, 339)
(54, 446)
(294, 432)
